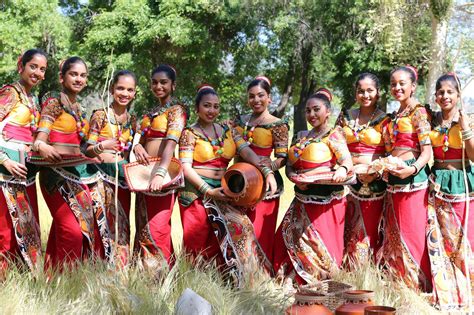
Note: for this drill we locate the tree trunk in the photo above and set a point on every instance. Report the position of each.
(306, 86)
(439, 29)
(287, 90)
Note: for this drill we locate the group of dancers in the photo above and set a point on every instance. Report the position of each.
(409, 219)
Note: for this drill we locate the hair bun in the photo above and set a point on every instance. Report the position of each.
(413, 69)
(205, 86)
(325, 92)
(264, 78)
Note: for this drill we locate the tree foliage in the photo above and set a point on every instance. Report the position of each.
(301, 44)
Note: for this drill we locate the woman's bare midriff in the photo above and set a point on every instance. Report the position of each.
(214, 174)
(365, 159)
(405, 155)
(154, 147)
(110, 158)
(67, 150)
(450, 165)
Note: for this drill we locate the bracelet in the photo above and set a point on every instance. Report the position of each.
(98, 149)
(3, 157)
(36, 144)
(417, 167)
(161, 171)
(467, 134)
(266, 171)
(204, 188)
(274, 166)
(347, 170)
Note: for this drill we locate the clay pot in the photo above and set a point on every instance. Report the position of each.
(244, 183)
(356, 302)
(380, 310)
(308, 303)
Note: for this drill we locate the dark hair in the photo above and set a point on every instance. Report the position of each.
(448, 77)
(30, 54)
(368, 75)
(203, 90)
(67, 64)
(123, 73)
(262, 82)
(407, 69)
(169, 70)
(324, 95)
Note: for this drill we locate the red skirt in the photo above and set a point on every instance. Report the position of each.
(198, 234)
(74, 234)
(404, 251)
(19, 225)
(310, 240)
(153, 235)
(264, 220)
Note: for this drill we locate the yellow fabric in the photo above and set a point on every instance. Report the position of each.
(454, 137)
(20, 115)
(261, 137)
(204, 152)
(369, 136)
(319, 152)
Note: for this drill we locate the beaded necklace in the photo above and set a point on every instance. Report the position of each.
(79, 117)
(31, 102)
(405, 112)
(247, 135)
(306, 140)
(121, 127)
(217, 143)
(443, 128)
(160, 110)
(357, 128)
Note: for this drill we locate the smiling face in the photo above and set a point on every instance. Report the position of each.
(208, 108)
(367, 93)
(401, 86)
(124, 90)
(161, 85)
(258, 99)
(447, 96)
(75, 78)
(32, 73)
(317, 113)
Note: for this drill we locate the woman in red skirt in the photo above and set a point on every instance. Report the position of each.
(62, 131)
(363, 130)
(265, 134)
(404, 252)
(160, 132)
(19, 116)
(310, 241)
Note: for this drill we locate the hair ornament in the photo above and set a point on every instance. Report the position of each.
(205, 86)
(413, 69)
(264, 78)
(325, 92)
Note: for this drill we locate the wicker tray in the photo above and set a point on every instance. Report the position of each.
(324, 179)
(332, 291)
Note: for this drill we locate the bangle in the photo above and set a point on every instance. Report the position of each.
(3, 157)
(36, 145)
(417, 167)
(274, 166)
(204, 188)
(161, 171)
(467, 134)
(266, 171)
(97, 149)
(347, 170)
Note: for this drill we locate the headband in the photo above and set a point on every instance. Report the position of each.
(172, 68)
(205, 86)
(413, 69)
(324, 92)
(264, 78)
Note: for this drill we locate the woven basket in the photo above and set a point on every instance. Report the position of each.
(332, 291)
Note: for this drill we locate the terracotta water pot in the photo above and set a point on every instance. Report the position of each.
(356, 302)
(244, 183)
(380, 310)
(308, 303)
